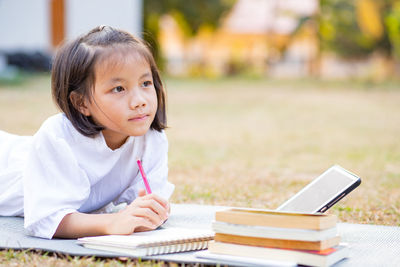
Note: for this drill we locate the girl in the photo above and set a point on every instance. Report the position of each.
(112, 100)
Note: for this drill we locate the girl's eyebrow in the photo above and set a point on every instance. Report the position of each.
(147, 74)
(118, 80)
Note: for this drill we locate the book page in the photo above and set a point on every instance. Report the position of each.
(191, 222)
(149, 238)
(224, 259)
(193, 216)
(187, 216)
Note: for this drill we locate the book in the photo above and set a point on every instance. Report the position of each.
(273, 232)
(325, 257)
(156, 242)
(230, 260)
(281, 219)
(278, 243)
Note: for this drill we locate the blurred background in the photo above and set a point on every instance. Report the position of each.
(263, 95)
(329, 39)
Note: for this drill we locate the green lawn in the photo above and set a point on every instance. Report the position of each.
(266, 140)
(254, 143)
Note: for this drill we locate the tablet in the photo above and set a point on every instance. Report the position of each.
(323, 192)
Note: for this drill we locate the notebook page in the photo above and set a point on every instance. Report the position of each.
(150, 238)
(193, 216)
(188, 216)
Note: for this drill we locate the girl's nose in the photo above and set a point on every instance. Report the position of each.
(137, 99)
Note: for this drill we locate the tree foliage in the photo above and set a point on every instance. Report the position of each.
(392, 22)
(355, 28)
(190, 15)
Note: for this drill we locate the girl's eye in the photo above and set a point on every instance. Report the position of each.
(147, 83)
(117, 89)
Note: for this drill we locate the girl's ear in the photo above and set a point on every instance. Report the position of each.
(80, 103)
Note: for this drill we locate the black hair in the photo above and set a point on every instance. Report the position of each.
(73, 70)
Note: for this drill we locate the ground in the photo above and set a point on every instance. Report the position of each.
(255, 142)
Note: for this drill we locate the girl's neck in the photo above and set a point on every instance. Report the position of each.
(113, 140)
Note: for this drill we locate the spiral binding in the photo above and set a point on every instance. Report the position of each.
(177, 245)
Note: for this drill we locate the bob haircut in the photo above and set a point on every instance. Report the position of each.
(73, 70)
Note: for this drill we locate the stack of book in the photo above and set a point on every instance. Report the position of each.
(306, 239)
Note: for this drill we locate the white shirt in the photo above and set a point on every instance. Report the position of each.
(65, 171)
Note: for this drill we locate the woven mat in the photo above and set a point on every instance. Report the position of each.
(370, 245)
(13, 236)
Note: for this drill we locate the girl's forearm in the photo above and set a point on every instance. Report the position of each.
(75, 225)
(146, 212)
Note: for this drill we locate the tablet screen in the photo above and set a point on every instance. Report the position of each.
(322, 192)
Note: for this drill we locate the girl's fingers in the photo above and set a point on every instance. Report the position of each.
(143, 224)
(148, 214)
(152, 203)
(142, 192)
(157, 198)
(155, 207)
(143, 228)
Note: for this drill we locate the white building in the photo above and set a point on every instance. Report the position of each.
(40, 25)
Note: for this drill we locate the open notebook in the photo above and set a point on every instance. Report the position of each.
(160, 241)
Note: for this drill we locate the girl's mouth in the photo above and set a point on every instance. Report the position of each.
(139, 117)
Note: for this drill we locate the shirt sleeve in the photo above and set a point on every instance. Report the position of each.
(155, 165)
(54, 184)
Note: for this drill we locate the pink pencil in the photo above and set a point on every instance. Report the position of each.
(146, 183)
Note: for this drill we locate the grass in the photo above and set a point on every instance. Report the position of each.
(267, 140)
(255, 142)
(37, 258)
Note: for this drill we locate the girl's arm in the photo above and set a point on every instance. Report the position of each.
(146, 212)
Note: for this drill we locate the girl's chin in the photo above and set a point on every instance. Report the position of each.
(139, 132)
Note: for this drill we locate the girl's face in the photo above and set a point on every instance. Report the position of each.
(124, 99)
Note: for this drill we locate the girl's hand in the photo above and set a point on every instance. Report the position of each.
(146, 212)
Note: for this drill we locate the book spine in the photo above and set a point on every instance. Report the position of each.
(277, 243)
(303, 221)
(273, 232)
